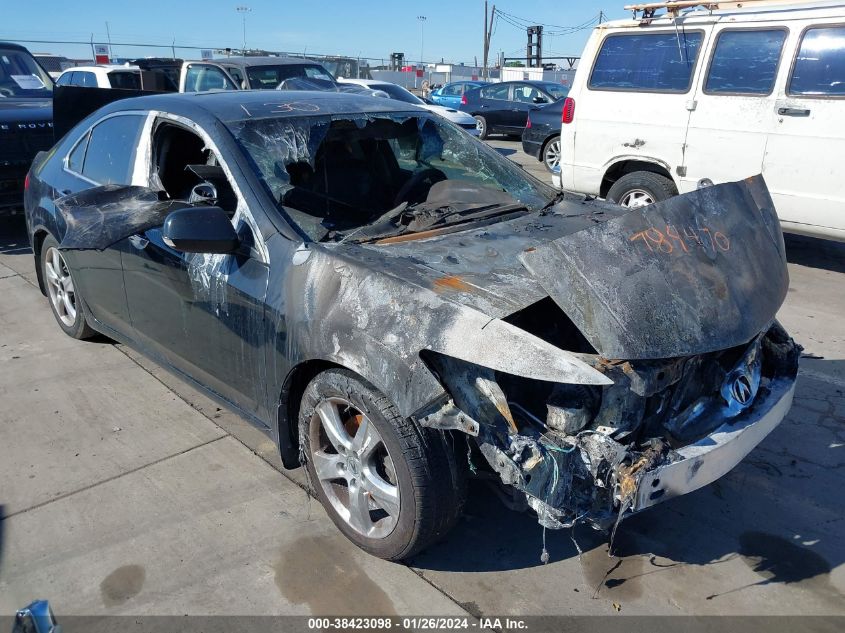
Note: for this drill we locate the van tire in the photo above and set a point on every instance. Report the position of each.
(641, 188)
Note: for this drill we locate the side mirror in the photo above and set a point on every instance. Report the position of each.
(200, 230)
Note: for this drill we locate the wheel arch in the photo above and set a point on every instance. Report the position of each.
(290, 399)
(628, 165)
(38, 237)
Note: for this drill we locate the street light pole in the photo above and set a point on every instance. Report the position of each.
(243, 10)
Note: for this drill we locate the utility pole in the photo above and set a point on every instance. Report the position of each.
(108, 36)
(488, 31)
(422, 20)
(601, 17)
(243, 10)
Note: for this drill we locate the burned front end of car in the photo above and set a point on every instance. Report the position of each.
(674, 305)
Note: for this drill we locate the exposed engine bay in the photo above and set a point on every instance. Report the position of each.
(579, 452)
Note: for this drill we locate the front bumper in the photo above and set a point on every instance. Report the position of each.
(712, 457)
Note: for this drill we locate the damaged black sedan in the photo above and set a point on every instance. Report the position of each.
(397, 305)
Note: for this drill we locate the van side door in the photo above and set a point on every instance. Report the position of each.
(806, 144)
(729, 122)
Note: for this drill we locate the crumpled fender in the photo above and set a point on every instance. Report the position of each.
(377, 325)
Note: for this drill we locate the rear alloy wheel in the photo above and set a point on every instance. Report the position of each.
(481, 126)
(390, 486)
(551, 153)
(61, 291)
(640, 189)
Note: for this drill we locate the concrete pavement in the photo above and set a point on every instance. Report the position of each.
(182, 509)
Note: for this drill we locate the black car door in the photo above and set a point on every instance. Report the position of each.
(201, 313)
(494, 105)
(523, 98)
(105, 155)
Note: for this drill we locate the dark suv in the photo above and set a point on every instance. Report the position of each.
(26, 120)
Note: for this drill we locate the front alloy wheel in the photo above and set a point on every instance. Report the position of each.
(354, 468)
(391, 486)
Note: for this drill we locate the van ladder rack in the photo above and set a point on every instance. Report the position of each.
(675, 6)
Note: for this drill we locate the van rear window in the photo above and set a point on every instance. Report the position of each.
(655, 62)
(820, 66)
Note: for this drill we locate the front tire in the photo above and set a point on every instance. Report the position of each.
(65, 300)
(481, 126)
(640, 189)
(389, 485)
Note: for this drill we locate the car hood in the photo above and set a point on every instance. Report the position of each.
(697, 273)
(449, 113)
(25, 110)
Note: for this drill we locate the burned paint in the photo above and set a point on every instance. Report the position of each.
(451, 282)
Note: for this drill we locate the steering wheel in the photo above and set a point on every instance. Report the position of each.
(428, 176)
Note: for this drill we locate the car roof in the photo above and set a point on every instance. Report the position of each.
(265, 61)
(14, 46)
(237, 105)
(106, 67)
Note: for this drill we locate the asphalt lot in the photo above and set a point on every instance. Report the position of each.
(124, 491)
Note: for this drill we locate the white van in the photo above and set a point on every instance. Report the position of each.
(660, 103)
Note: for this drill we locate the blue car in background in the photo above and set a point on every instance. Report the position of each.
(450, 94)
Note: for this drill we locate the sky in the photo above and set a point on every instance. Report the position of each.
(452, 30)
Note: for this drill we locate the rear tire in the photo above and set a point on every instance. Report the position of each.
(641, 188)
(481, 126)
(550, 154)
(392, 491)
(65, 300)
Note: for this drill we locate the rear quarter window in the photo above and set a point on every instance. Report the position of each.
(819, 68)
(745, 62)
(110, 156)
(649, 62)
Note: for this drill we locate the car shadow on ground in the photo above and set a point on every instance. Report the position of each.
(769, 512)
(815, 253)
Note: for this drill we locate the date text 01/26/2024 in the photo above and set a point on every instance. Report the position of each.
(416, 623)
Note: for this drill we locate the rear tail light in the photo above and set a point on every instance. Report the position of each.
(528, 123)
(26, 182)
(463, 99)
(568, 110)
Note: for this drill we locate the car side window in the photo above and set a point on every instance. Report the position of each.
(819, 68)
(454, 90)
(526, 94)
(499, 91)
(237, 76)
(76, 159)
(77, 78)
(745, 62)
(86, 79)
(654, 62)
(111, 156)
(204, 77)
(65, 79)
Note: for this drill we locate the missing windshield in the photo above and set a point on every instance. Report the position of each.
(362, 177)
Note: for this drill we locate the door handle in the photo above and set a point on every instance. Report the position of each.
(793, 112)
(138, 242)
